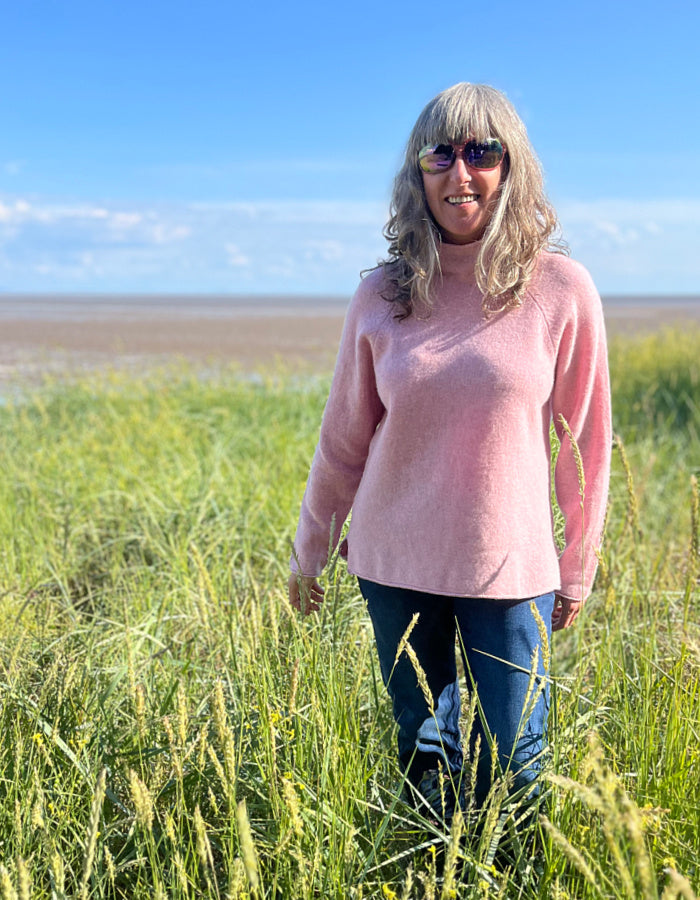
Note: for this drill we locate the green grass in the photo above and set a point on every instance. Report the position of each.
(170, 728)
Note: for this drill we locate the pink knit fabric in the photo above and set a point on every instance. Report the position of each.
(437, 434)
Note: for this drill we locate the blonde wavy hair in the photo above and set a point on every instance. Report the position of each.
(522, 224)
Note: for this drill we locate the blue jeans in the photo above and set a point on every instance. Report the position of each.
(497, 640)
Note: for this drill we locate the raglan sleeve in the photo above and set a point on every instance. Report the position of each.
(581, 406)
(351, 416)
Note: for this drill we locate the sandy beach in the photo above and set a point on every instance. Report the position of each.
(42, 335)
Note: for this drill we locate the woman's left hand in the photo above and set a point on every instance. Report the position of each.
(305, 593)
(565, 612)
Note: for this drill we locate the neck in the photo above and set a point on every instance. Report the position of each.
(458, 258)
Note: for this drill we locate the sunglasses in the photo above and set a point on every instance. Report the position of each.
(482, 155)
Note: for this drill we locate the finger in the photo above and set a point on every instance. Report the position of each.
(565, 613)
(314, 595)
(308, 606)
(305, 594)
(309, 603)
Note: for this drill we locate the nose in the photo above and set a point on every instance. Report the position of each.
(460, 170)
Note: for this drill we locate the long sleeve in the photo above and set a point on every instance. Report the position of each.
(350, 419)
(581, 396)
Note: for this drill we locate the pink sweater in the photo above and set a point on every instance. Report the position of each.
(437, 434)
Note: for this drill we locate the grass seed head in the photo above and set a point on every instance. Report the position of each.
(248, 852)
(632, 504)
(6, 885)
(678, 886)
(93, 831)
(181, 874)
(110, 866)
(213, 803)
(694, 527)
(140, 710)
(218, 709)
(24, 880)
(405, 636)
(544, 638)
(57, 872)
(293, 687)
(203, 847)
(449, 883)
(293, 806)
(182, 715)
(142, 800)
(421, 676)
(574, 856)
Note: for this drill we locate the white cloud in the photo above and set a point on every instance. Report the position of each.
(328, 251)
(126, 219)
(234, 256)
(9, 212)
(301, 246)
(270, 247)
(12, 167)
(645, 246)
(165, 233)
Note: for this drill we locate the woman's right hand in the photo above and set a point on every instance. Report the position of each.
(305, 593)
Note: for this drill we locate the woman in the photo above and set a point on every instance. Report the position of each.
(457, 354)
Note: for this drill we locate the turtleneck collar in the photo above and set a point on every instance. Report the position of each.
(458, 259)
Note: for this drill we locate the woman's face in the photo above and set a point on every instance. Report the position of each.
(462, 199)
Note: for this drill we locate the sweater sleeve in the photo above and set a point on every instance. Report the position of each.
(581, 395)
(350, 419)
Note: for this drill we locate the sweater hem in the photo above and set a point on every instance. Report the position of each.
(518, 595)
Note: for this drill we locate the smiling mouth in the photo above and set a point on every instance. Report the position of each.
(464, 198)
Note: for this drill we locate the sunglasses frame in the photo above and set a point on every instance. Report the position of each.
(429, 148)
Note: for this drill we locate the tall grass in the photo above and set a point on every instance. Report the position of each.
(170, 728)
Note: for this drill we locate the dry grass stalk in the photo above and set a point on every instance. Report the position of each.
(632, 504)
(293, 687)
(574, 856)
(93, 831)
(420, 675)
(248, 853)
(405, 636)
(544, 638)
(182, 715)
(694, 552)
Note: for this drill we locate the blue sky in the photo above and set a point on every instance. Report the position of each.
(250, 147)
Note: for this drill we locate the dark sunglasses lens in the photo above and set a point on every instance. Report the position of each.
(436, 158)
(483, 155)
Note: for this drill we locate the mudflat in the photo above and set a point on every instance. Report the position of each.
(44, 334)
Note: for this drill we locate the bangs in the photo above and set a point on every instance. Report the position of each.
(462, 112)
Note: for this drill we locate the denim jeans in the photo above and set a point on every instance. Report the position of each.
(497, 639)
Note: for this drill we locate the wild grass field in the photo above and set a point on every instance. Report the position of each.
(171, 728)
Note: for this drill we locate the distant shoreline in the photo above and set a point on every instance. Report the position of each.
(101, 307)
(45, 334)
(9, 299)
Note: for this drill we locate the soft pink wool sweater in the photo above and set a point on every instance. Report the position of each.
(437, 434)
